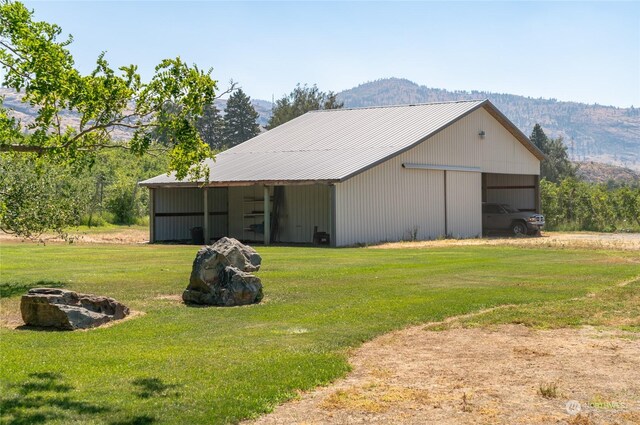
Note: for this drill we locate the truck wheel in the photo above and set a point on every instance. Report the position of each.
(519, 228)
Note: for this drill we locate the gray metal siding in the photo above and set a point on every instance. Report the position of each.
(387, 202)
(179, 200)
(390, 204)
(464, 204)
(169, 201)
(218, 205)
(183, 201)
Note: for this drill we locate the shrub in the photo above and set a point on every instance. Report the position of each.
(576, 205)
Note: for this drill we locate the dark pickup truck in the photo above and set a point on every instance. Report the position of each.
(505, 217)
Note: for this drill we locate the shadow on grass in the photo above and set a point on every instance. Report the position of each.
(45, 397)
(42, 398)
(40, 328)
(11, 289)
(44, 381)
(154, 387)
(136, 420)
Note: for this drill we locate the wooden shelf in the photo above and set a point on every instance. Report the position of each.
(252, 217)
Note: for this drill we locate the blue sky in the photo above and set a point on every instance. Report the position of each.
(579, 51)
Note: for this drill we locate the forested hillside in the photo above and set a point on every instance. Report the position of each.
(592, 132)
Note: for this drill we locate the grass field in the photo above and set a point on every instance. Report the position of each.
(179, 364)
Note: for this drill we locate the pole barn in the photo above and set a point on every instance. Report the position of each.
(350, 176)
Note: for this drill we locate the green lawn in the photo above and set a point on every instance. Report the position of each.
(179, 364)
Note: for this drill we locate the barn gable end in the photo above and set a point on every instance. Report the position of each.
(390, 203)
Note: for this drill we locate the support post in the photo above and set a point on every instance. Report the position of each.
(484, 187)
(267, 216)
(206, 216)
(446, 212)
(538, 203)
(333, 237)
(152, 215)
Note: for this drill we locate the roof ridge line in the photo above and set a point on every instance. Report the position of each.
(403, 105)
(337, 149)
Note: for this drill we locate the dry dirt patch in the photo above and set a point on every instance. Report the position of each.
(123, 235)
(586, 240)
(480, 376)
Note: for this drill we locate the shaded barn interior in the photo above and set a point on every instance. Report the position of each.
(238, 212)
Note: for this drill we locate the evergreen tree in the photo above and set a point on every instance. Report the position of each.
(557, 166)
(240, 118)
(300, 101)
(539, 138)
(211, 127)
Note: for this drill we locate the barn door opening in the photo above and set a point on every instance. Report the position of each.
(521, 191)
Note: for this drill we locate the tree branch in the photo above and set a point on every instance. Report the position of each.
(45, 149)
(232, 87)
(24, 148)
(14, 51)
(26, 76)
(105, 126)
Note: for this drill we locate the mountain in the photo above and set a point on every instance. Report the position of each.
(596, 172)
(25, 113)
(596, 133)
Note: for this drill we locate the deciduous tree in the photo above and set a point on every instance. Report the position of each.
(36, 62)
(37, 196)
(300, 101)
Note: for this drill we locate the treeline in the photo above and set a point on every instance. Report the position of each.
(38, 195)
(572, 204)
(569, 203)
(111, 191)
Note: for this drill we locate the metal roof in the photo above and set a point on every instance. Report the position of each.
(334, 145)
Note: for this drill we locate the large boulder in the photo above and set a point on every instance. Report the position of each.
(68, 310)
(221, 275)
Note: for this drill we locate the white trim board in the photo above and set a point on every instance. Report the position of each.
(412, 166)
